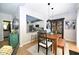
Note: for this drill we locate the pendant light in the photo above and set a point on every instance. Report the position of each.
(48, 25)
(15, 23)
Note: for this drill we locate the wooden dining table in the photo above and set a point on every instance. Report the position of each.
(54, 38)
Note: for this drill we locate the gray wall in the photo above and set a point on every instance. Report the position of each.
(69, 34)
(1, 31)
(3, 16)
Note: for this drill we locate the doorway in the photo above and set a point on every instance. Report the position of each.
(6, 30)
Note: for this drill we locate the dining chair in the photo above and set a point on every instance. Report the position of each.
(61, 44)
(43, 41)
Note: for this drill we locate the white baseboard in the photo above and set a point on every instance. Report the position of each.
(24, 43)
(71, 40)
(77, 45)
(1, 40)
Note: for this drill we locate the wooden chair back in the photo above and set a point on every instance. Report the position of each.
(61, 44)
(42, 36)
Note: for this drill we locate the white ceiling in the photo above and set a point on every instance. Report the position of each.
(59, 8)
(41, 8)
(10, 8)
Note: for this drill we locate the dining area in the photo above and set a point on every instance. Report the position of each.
(47, 40)
(53, 36)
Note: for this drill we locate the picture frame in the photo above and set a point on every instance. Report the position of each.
(70, 24)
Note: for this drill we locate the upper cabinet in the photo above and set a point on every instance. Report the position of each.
(57, 26)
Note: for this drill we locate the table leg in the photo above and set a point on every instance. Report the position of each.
(55, 47)
(53, 50)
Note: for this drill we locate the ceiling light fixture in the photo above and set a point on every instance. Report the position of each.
(49, 9)
(15, 23)
(48, 25)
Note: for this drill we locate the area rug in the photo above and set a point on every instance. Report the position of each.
(42, 51)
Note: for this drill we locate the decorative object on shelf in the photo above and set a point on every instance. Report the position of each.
(70, 24)
(15, 23)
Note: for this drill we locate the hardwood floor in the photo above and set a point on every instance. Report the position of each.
(23, 50)
(72, 46)
(5, 42)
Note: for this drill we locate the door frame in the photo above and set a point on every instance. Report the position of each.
(9, 28)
